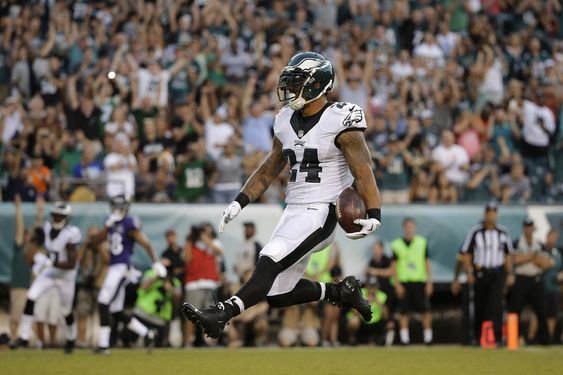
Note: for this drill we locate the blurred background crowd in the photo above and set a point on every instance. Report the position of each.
(173, 100)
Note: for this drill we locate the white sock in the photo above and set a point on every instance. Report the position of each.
(139, 328)
(103, 339)
(25, 326)
(404, 333)
(235, 300)
(323, 291)
(428, 335)
(390, 337)
(71, 332)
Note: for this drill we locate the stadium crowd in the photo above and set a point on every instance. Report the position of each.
(173, 100)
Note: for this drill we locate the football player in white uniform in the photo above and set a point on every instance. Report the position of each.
(326, 150)
(57, 270)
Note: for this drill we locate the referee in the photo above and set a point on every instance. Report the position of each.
(487, 257)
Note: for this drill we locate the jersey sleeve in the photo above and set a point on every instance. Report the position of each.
(346, 117)
(134, 223)
(74, 236)
(281, 117)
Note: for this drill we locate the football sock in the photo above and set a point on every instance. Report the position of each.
(390, 337)
(104, 314)
(71, 329)
(26, 322)
(257, 287)
(428, 335)
(234, 306)
(139, 328)
(404, 333)
(332, 293)
(103, 339)
(305, 291)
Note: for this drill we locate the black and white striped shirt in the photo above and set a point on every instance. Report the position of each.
(488, 246)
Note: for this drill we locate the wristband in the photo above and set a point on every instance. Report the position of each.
(375, 213)
(242, 199)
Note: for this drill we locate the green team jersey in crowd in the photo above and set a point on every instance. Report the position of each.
(395, 175)
(191, 182)
(153, 302)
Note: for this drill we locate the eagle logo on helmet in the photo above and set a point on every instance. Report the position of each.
(307, 76)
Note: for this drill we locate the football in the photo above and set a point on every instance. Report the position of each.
(349, 207)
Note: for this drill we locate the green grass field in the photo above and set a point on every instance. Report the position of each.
(361, 360)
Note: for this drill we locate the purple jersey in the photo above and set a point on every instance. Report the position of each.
(120, 243)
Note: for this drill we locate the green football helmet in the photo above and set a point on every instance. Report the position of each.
(307, 76)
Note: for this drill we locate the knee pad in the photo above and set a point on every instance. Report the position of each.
(29, 306)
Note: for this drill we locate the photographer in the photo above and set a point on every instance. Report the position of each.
(154, 304)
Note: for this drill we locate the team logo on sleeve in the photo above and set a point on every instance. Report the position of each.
(355, 116)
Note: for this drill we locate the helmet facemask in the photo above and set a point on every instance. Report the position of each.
(60, 215)
(296, 83)
(120, 206)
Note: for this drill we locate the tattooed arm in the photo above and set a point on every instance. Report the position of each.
(266, 172)
(356, 152)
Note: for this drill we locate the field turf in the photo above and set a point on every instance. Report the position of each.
(450, 360)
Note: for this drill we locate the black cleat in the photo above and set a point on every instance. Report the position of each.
(212, 320)
(150, 341)
(351, 296)
(102, 351)
(19, 343)
(69, 346)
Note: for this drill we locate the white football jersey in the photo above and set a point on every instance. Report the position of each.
(319, 171)
(56, 247)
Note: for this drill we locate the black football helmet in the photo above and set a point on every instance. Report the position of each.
(120, 204)
(307, 76)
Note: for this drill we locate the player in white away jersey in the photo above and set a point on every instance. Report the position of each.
(326, 150)
(56, 270)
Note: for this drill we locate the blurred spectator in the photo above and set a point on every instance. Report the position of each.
(172, 257)
(120, 167)
(39, 175)
(395, 163)
(420, 187)
(93, 260)
(515, 186)
(483, 176)
(202, 271)
(529, 264)
(26, 242)
(300, 325)
(191, 172)
(324, 266)
(225, 182)
(379, 267)
(451, 159)
(248, 256)
(552, 279)
(442, 190)
(88, 167)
